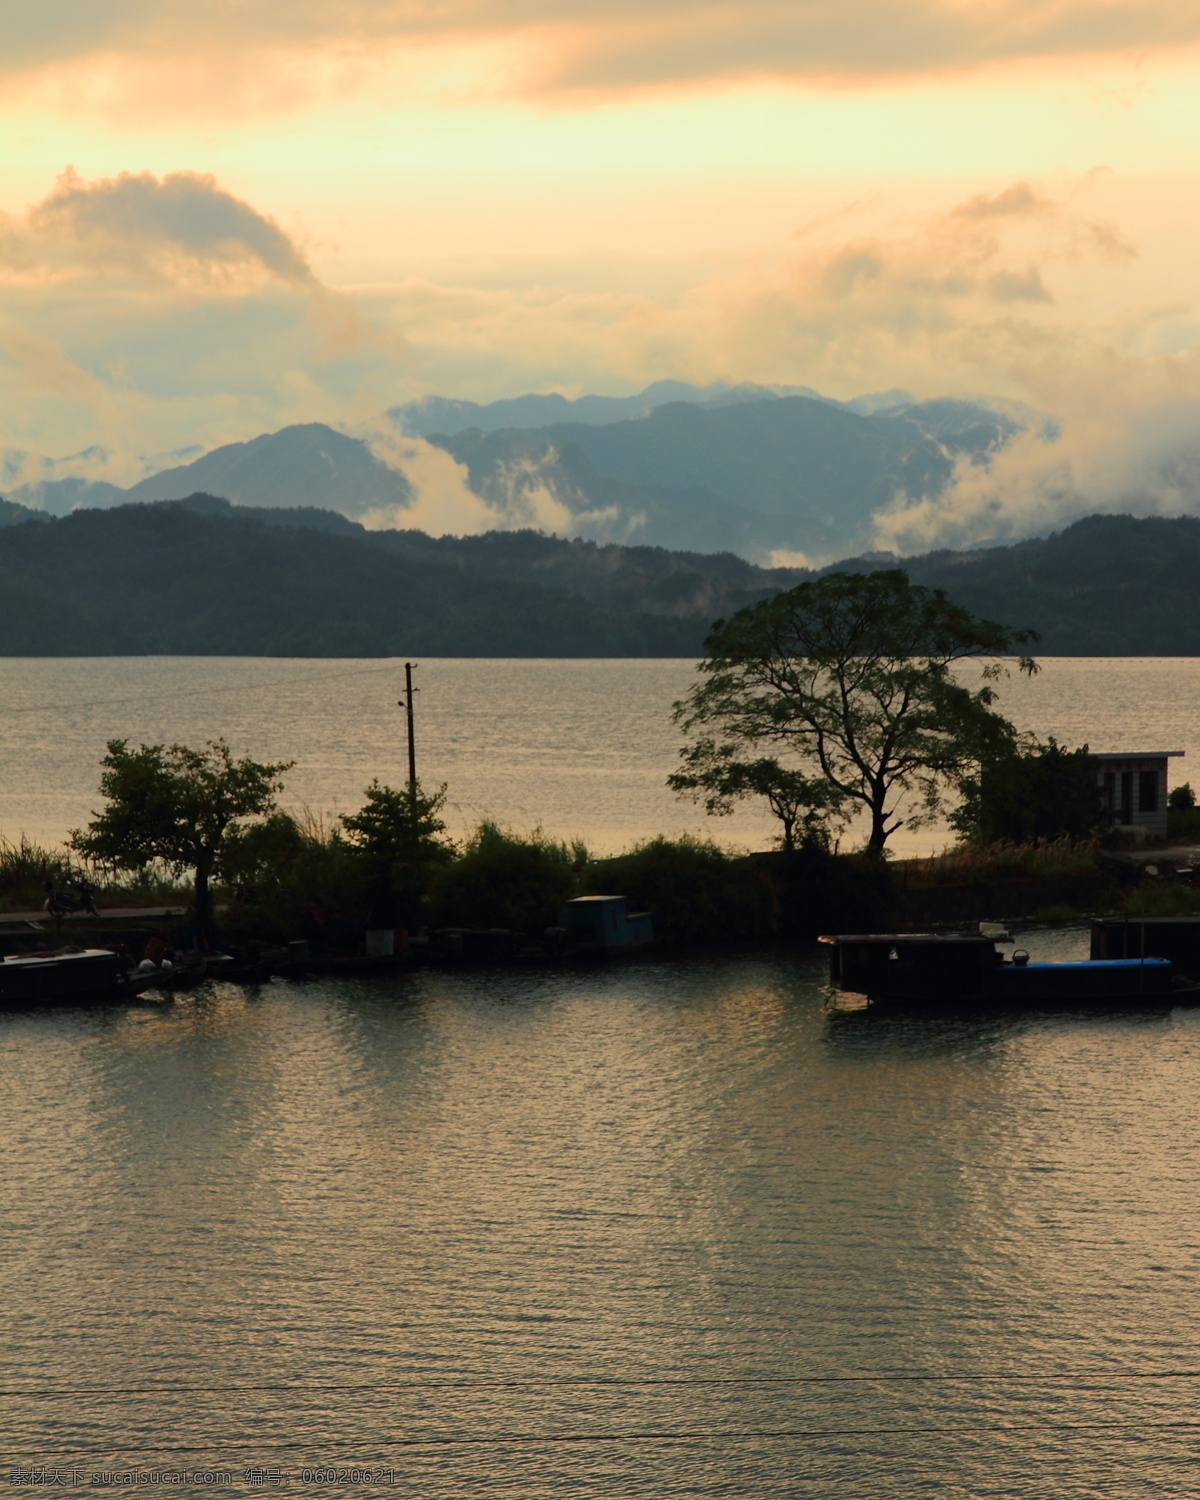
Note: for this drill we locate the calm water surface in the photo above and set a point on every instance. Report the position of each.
(665, 1229)
(582, 747)
(662, 1229)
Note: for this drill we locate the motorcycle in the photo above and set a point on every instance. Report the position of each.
(79, 896)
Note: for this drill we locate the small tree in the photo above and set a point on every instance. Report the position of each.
(175, 805)
(713, 775)
(1036, 795)
(400, 832)
(852, 673)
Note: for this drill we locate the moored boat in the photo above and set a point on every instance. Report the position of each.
(944, 970)
(91, 974)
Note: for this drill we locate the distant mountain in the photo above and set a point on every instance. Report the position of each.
(733, 468)
(11, 513)
(641, 580)
(202, 578)
(59, 497)
(305, 465)
(787, 473)
(307, 517)
(430, 414)
(310, 464)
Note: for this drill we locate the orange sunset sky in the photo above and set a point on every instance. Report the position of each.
(310, 211)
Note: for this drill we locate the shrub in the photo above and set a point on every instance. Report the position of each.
(502, 879)
(821, 892)
(1183, 823)
(1161, 898)
(399, 835)
(296, 878)
(1041, 795)
(692, 888)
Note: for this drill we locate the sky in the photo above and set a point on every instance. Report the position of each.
(219, 220)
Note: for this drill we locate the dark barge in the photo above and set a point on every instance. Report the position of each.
(91, 974)
(1176, 938)
(940, 971)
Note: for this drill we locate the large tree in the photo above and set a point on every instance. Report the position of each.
(853, 675)
(175, 805)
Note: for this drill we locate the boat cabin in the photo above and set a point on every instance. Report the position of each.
(600, 924)
(918, 965)
(1176, 938)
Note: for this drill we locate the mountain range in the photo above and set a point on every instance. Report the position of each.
(749, 469)
(435, 414)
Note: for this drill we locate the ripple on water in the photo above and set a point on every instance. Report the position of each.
(662, 1229)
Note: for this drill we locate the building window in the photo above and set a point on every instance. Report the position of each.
(1147, 791)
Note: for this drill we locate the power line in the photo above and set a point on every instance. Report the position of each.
(242, 687)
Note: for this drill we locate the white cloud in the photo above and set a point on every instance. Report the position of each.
(1129, 443)
(443, 502)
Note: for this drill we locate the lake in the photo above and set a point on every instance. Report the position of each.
(580, 747)
(663, 1229)
(669, 1228)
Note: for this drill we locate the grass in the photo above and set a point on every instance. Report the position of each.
(1161, 898)
(972, 864)
(25, 867)
(1183, 825)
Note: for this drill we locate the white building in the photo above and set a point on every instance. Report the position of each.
(1134, 788)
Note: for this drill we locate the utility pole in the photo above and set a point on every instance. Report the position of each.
(407, 703)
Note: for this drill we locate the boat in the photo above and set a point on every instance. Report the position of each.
(1176, 938)
(944, 970)
(56, 978)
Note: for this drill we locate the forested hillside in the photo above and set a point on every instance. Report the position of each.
(1106, 586)
(152, 580)
(200, 577)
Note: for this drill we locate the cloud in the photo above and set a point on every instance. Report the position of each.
(443, 502)
(181, 228)
(578, 45)
(1128, 441)
(527, 494)
(147, 312)
(42, 363)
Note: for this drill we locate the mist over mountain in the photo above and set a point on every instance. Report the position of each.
(754, 470)
(309, 464)
(790, 473)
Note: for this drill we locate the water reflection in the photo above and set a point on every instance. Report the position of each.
(477, 1210)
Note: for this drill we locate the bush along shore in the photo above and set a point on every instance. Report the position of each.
(287, 881)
